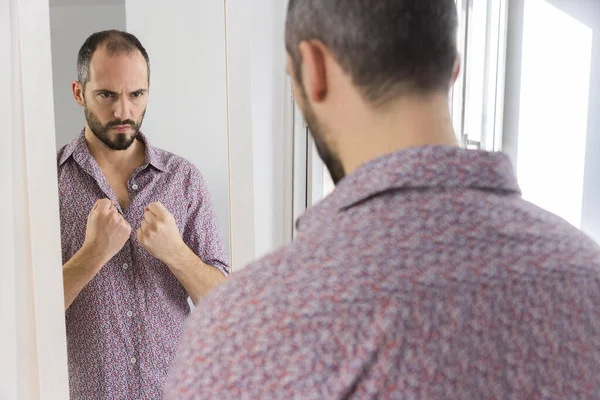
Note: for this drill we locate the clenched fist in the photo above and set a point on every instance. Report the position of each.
(159, 233)
(106, 232)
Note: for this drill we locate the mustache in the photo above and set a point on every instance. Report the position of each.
(114, 123)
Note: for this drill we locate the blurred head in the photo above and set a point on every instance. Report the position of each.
(113, 77)
(378, 52)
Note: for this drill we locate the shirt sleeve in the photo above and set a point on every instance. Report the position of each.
(201, 233)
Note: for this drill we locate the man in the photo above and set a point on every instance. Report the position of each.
(425, 274)
(150, 240)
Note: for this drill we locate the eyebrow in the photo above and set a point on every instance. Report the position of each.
(111, 92)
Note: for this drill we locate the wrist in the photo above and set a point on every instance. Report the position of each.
(178, 256)
(91, 257)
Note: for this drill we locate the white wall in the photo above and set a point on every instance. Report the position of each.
(553, 89)
(268, 104)
(187, 109)
(70, 25)
(33, 356)
(239, 101)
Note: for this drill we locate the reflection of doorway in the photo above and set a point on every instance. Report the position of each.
(71, 21)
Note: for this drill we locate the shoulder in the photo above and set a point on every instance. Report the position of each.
(266, 270)
(60, 152)
(241, 287)
(61, 156)
(176, 165)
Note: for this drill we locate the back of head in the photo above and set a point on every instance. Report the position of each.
(388, 47)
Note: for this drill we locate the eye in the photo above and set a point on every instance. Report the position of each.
(137, 94)
(106, 95)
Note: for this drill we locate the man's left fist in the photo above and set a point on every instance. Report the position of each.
(159, 233)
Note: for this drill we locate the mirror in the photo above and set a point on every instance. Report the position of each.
(144, 217)
(187, 108)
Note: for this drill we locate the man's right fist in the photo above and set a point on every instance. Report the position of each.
(106, 232)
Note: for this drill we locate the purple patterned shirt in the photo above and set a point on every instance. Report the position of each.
(124, 327)
(423, 275)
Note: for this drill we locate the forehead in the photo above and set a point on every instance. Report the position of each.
(120, 71)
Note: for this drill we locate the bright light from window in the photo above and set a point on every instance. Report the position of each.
(555, 79)
(476, 69)
(328, 185)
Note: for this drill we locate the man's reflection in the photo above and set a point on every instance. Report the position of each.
(138, 231)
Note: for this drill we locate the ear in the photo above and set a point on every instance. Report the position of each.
(457, 68)
(314, 70)
(78, 93)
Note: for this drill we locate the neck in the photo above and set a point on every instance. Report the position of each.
(409, 122)
(106, 157)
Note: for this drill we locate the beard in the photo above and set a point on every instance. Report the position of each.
(116, 141)
(327, 155)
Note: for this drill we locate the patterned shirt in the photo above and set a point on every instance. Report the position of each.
(424, 275)
(124, 326)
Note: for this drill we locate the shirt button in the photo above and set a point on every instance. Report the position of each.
(130, 314)
(133, 360)
(135, 186)
(125, 266)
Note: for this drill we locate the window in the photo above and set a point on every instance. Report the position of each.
(477, 96)
(552, 129)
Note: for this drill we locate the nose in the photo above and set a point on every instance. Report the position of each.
(122, 109)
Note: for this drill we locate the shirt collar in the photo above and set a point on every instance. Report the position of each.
(152, 154)
(422, 168)
(79, 150)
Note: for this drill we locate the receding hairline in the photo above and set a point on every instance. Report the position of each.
(96, 63)
(134, 52)
(112, 52)
(115, 43)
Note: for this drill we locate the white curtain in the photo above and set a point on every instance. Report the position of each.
(33, 360)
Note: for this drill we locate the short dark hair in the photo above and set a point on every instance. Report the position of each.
(388, 47)
(116, 42)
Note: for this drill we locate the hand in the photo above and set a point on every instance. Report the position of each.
(106, 232)
(159, 234)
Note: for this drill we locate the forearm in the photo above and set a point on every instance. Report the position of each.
(78, 272)
(196, 276)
